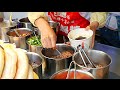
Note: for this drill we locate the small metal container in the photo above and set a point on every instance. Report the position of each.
(52, 65)
(98, 58)
(36, 61)
(19, 41)
(80, 74)
(34, 48)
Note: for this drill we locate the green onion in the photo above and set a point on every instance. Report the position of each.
(34, 41)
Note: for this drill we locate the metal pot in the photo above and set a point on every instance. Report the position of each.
(99, 58)
(19, 41)
(52, 65)
(23, 23)
(4, 28)
(25, 19)
(62, 74)
(34, 48)
(36, 62)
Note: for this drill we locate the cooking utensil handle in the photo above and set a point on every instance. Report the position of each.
(91, 63)
(82, 58)
(73, 62)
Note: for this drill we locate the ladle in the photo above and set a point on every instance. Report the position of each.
(10, 20)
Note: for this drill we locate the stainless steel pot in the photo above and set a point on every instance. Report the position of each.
(4, 28)
(25, 19)
(36, 62)
(34, 48)
(23, 23)
(52, 65)
(99, 58)
(20, 42)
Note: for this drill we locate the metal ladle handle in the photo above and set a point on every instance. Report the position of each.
(80, 49)
(73, 62)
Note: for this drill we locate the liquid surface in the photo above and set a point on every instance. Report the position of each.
(22, 33)
(79, 75)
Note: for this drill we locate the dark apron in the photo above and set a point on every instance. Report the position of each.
(111, 37)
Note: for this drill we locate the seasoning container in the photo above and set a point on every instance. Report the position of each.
(20, 41)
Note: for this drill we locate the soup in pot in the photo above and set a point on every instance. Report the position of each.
(22, 33)
(79, 75)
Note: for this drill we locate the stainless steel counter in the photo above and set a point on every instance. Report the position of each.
(115, 55)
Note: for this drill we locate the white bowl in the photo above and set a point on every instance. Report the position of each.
(73, 34)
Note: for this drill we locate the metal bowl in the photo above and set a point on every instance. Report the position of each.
(19, 41)
(99, 58)
(80, 74)
(52, 65)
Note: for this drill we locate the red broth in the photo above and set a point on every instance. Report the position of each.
(79, 75)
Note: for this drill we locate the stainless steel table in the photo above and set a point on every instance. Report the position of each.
(115, 55)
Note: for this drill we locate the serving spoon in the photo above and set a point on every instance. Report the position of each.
(10, 21)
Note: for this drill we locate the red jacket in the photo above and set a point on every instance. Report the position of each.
(67, 20)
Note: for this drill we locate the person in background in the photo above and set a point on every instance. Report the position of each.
(111, 31)
(1, 16)
(67, 21)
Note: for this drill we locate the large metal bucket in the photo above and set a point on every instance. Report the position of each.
(99, 58)
(52, 65)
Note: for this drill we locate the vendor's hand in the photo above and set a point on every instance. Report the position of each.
(48, 36)
(93, 26)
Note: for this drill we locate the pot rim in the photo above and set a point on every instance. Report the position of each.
(94, 68)
(79, 70)
(19, 29)
(25, 22)
(58, 59)
(34, 45)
